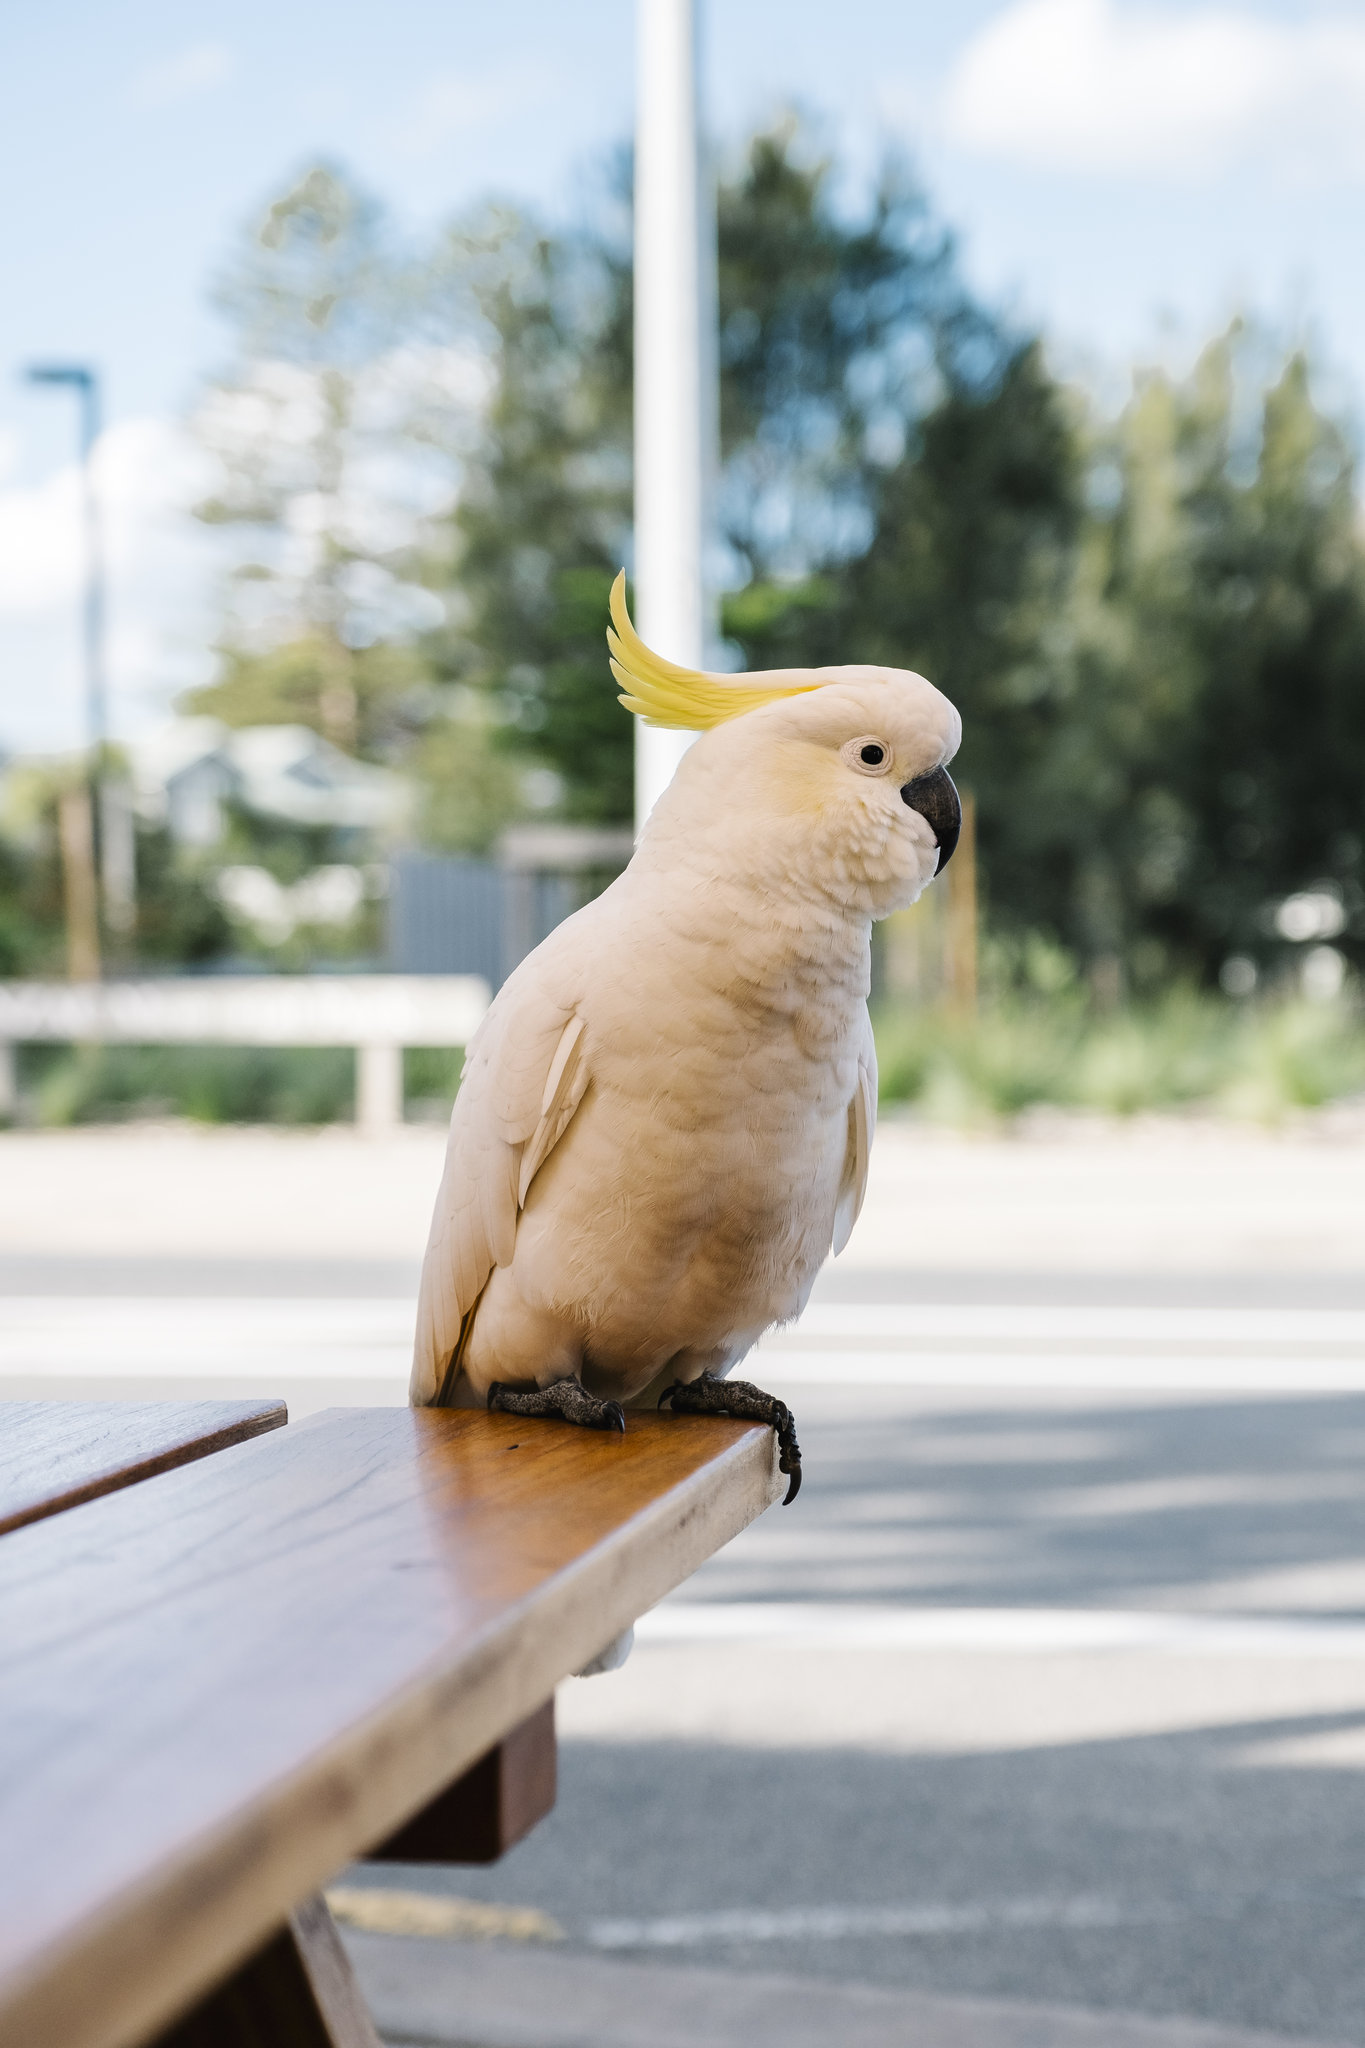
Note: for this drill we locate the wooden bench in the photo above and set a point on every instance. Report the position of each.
(56, 1454)
(223, 1683)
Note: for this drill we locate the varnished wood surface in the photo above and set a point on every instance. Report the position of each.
(56, 1454)
(220, 1686)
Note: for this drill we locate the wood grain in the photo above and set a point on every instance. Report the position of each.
(221, 1686)
(490, 1807)
(56, 1454)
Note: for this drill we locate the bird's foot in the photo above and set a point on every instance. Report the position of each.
(569, 1399)
(709, 1395)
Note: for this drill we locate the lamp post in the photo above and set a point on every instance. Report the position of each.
(675, 364)
(76, 813)
(85, 382)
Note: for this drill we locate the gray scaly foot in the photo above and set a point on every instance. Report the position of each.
(569, 1399)
(708, 1395)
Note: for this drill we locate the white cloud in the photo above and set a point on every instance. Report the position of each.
(184, 76)
(166, 570)
(1097, 86)
(162, 571)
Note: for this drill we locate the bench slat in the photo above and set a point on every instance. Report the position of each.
(223, 1685)
(56, 1454)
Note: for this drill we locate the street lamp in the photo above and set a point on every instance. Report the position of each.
(76, 377)
(76, 812)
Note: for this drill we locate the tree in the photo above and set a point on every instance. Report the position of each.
(339, 432)
(838, 332)
(1212, 753)
(543, 519)
(1274, 769)
(931, 473)
(310, 432)
(1154, 625)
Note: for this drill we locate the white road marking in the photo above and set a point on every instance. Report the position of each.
(113, 1336)
(1018, 1631)
(915, 1323)
(852, 1344)
(1148, 1371)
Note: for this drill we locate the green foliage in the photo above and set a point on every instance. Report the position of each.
(367, 700)
(1204, 748)
(62, 1085)
(31, 934)
(542, 522)
(1154, 625)
(1182, 1050)
(179, 921)
(208, 1084)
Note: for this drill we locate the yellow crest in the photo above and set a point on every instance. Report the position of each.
(687, 699)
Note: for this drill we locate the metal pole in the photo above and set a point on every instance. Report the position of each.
(115, 830)
(674, 239)
(85, 382)
(96, 689)
(77, 834)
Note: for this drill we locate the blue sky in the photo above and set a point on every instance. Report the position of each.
(1124, 174)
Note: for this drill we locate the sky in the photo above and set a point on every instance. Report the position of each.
(1125, 175)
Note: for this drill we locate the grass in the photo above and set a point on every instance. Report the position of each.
(1180, 1051)
(217, 1084)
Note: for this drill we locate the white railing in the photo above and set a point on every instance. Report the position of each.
(378, 1014)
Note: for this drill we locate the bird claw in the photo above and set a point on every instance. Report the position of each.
(569, 1399)
(709, 1395)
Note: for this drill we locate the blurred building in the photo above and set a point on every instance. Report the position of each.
(456, 916)
(188, 775)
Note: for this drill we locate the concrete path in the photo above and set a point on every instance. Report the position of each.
(1166, 1196)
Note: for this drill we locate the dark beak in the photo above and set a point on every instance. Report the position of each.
(937, 802)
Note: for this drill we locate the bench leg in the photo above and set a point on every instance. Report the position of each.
(497, 1801)
(299, 1991)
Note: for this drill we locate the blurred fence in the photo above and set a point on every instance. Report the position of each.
(378, 1014)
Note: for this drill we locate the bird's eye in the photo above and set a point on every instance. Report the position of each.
(867, 754)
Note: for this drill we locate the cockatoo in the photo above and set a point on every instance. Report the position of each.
(663, 1125)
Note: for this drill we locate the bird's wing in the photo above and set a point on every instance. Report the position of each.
(862, 1122)
(523, 1080)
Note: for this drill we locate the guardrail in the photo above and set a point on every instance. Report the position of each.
(378, 1014)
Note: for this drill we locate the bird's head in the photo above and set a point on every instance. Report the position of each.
(831, 780)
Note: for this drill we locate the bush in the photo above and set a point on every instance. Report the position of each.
(219, 1084)
(1183, 1049)
(209, 1084)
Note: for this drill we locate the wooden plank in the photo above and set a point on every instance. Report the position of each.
(223, 1685)
(56, 1454)
(490, 1807)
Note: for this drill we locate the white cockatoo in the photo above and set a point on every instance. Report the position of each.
(663, 1125)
